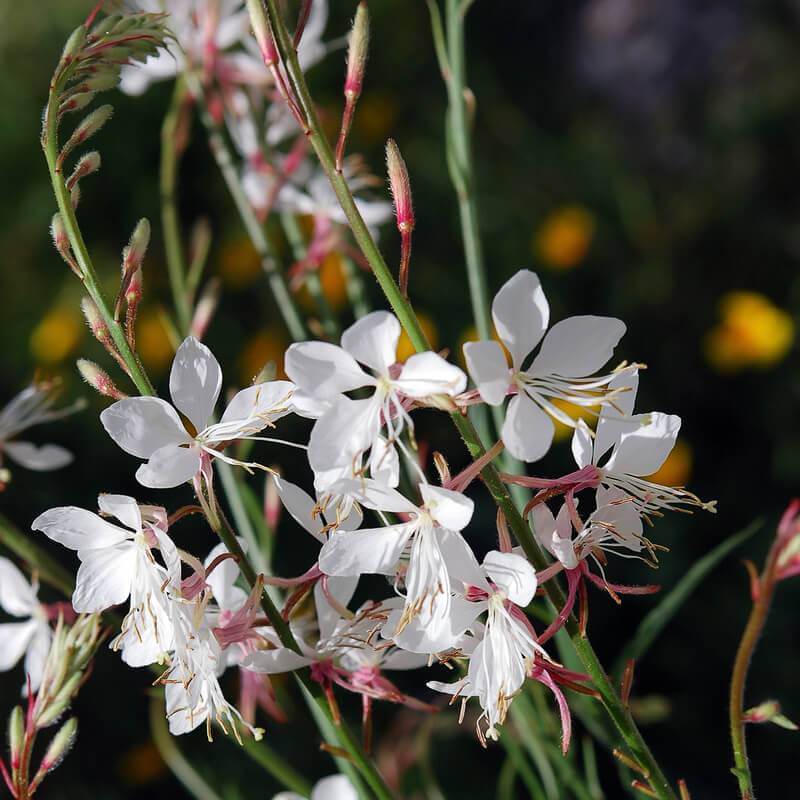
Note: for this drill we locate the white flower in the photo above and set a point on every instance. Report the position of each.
(615, 525)
(33, 406)
(117, 564)
(428, 546)
(638, 444)
(334, 787)
(150, 428)
(501, 661)
(572, 350)
(32, 636)
(349, 428)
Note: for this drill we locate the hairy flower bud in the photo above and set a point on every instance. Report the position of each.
(60, 745)
(99, 379)
(357, 50)
(16, 735)
(204, 310)
(74, 43)
(403, 207)
(96, 323)
(87, 128)
(262, 31)
(133, 254)
(60, 239)
(87, 164)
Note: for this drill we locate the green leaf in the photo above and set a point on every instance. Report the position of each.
(652, 625)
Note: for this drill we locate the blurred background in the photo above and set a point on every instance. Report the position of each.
(643, 157)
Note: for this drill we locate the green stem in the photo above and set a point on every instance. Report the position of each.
(174, 759)
(222, 155)
(170, 222)
(277, 766)
(79, 249)
(355, 288)
(619, 713)
(744, 655)
(48, 569)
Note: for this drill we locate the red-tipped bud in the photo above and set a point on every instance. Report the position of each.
(403, 207)
(87, 128)
(97, 325)
(133, 254)
(263, 32)
(204, 310)
(99, 379)
(60, 239)
(16, 736)
(59, 747)
(358, 47)
(87, 164)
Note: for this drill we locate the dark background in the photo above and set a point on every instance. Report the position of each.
(672, 126)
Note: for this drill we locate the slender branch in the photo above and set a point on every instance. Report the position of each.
(616, 709)
(170, 221)
(277, 766)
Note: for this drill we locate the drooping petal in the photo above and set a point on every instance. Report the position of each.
(272, 662)
(426, 374)
(578, 346)
(644, 449)
(222, 580)
(104, 578)
(521, 313)
(195, 381)
(41, 458)
(341, 588)
(373, 339)
(513, 575)
(527, 430)
(170, 466)
(14, 640)
(450, 509)
(121, 507)
(341, 435)
(582, 444)
(366, 551)
(374, 495)
(615, 419)
(334, 787)
(257, 406)
(459, 559)
(79, 529)
(17, 596)
(428, 633)
(301, 506)
(36, 655)
(384, 462)
(323, 369)
(142, 425)
(487, 365)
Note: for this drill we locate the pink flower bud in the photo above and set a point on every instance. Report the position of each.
(204, 310)
(262, 31)
(401, 187)
(357, 50)
(99, 379)
(87, 128)
(133, 254)
(87, 164)
(60, 239)
(272, 504)
(96, 323)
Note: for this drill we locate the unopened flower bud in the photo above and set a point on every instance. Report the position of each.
(262, 31)
(133, 291)
(76, 102)
(133, 254)
(96, 323)
(87, 164)
(60, 746)
(403, 207)
(75, 196)
(74, 43)
(99, 379)
(60, 239)
(357, 50)
(16, 735)
(769, 711)
(89, 126)
(204, 310)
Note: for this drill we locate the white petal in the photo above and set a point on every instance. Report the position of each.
(223, 579)
(79, 529)
(513, 574)
(341, 589)
(142, 425)
(615, 419)
(342, 434)
(527, 430)
(520, 312)
(123, 508)
(38, 457)
(259, 405)
(17, 596)
(367, 551)
(14, 640)
(38, 650)
(487, 366)
(425, 634)
(323, 369)
(384, 462)
(578, 346)
(195, 381)
(373, 339)
(334, 787)
(271, 662)
(544, 526)
(104, 578)
(425, 374)
(582, 444)
(182, 718)
(301, 506)
(450, 509)
(305, 405)
(376, 496)
(170, 466)
(643, 450)
(459, 559)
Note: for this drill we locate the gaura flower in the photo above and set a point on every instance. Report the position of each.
(152, 429)
(117, 564)
(32, 636)
(34, 406)
(572, 350)
(334, 787)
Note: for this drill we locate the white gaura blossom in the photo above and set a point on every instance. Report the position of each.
(572, 350)
(152, 429)
(117, 564)
(31, 636)
(504, 656)
(349, 428)
(334, 787)
(614, 527)
(638, 445)
(33, 406)
(426, 548)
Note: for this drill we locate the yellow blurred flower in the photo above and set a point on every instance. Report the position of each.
(152, 341)
(266, 346)
(677, 469)
(404, 346)
(57, 335)
(375, 119)
(753, 332)
(564, 237)
(238, 265)
(333, 281)
(562, 431)
(142, 765)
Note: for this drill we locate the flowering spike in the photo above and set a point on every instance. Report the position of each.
(357, 50)
(99, 379)
(403, 207)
